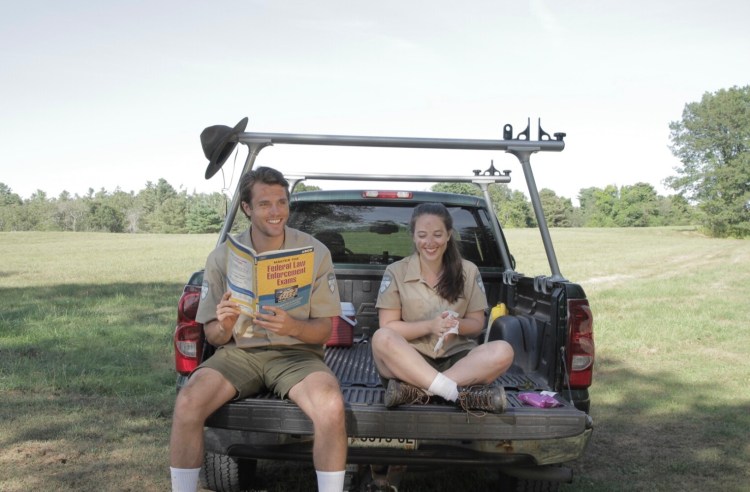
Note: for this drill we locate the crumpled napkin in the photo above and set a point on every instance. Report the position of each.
(454, 330)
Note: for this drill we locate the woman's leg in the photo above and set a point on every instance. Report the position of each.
(483, 364)
(396, 358)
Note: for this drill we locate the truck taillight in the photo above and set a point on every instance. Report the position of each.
(187, 308)
(581, 343)
(188, 346)
(188, 341)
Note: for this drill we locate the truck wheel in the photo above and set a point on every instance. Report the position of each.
(223, 473)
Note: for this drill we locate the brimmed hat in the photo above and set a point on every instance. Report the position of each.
(218, 142)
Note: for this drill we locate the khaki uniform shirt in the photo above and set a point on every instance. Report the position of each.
(403, 288)
(324, 298)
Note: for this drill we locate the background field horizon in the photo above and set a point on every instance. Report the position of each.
(87, 383)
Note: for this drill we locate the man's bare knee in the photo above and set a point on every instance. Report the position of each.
(206, 391)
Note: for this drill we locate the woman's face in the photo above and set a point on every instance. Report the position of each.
(430, 237)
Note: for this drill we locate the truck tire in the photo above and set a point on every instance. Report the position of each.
(223, 473)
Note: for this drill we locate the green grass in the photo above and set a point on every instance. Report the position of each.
(86, 365)
(87, 385)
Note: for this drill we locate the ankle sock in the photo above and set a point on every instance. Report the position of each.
(445, 387)
(330, 481)
(184, 479)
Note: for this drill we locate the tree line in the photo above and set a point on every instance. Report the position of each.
(160, 208)
(636, 205)
(712, 142)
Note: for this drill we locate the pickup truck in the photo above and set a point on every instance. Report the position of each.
(547, 320)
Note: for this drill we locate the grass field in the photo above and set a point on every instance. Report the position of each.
(86, 380)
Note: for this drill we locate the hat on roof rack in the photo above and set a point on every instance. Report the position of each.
(218, 142)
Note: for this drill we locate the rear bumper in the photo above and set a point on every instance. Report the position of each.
(274, 429)
(513, 453)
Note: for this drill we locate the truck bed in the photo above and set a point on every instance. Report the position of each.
(367, 417)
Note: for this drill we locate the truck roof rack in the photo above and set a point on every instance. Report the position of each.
(521, 146)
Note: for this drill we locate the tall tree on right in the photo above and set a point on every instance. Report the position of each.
(713, 143)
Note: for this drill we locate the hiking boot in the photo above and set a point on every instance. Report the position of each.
(400, 393)
(483, 398)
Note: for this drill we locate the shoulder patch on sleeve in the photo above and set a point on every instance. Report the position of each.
(332, 282)
(204, 289)
(385, 283)
(480, 284)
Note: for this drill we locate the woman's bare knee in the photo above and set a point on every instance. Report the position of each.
(501, 354)
(382, 338)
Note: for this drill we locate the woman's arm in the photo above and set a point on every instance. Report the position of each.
(411, 330)
(472, 324)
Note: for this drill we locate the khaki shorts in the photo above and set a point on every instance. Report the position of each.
(275, 369)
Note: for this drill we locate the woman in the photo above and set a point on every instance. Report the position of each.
(432, 307)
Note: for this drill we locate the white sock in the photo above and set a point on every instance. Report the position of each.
(330, 481)
(184, 479)
(444, 386)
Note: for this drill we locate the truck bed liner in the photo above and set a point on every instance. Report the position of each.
(367, 417)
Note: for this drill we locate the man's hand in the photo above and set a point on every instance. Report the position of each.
(219, 331)
(227, 312)
(276, 321)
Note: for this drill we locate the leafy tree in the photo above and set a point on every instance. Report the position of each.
(171, 216)
(712, 142)
(10, 209)
(149, 200)
(676, 210)
(638, 206)
(512, 207)
(305, 187)
(557, 210)
(460, 188)
(206, 213)
(7, 197)
(38, 213)
(599, 206)
(71, 214)
(104, 217)
(127, 203)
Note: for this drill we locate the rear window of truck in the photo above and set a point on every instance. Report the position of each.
(377, 233)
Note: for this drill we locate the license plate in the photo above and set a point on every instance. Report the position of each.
(383, 442)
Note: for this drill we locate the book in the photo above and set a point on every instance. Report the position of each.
(280, 278)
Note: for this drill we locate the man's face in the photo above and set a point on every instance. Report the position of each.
(269, 210)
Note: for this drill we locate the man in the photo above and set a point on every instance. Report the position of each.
(298, 335)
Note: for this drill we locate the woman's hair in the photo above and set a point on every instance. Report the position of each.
(451, 283)
(265, 175)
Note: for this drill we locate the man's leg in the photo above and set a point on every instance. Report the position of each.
(319, 396)
(205, 392)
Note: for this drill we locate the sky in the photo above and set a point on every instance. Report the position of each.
(113, 95)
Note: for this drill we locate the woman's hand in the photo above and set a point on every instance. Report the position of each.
(444, 322)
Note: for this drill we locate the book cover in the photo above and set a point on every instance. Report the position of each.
(280, 278)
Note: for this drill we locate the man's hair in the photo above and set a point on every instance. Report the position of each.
(265, 175)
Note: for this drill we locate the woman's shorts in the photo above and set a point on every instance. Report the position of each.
(441, 364)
